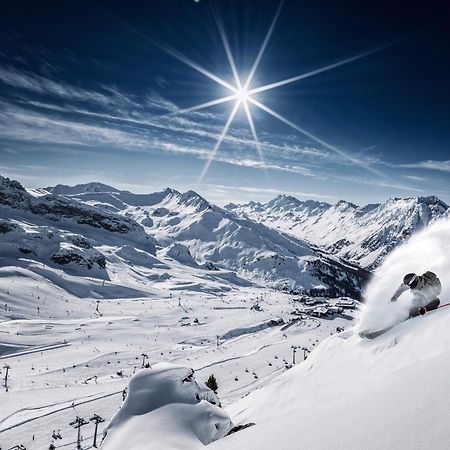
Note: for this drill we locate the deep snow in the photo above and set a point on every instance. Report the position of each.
(166, 408)
(388, 393)
(425, 250)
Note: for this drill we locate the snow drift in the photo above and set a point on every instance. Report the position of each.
(426, 250)
(166, 409)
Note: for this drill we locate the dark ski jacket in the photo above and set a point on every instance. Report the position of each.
(428, 288)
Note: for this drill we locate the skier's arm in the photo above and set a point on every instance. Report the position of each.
(402, 288)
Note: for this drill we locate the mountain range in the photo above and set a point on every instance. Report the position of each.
(361, 234)
(92, 240)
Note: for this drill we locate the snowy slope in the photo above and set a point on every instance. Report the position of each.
(177, 278)
(388, 393)
(361, 234)
(66, 250)
(216, 238)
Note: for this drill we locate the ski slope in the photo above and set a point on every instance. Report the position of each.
(68, 366)
(391, 392)
(388, 393)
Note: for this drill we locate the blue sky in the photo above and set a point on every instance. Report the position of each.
(91, 91)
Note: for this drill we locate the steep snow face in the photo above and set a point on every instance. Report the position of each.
(389, 392)
(361, 234)
(426, 250)
(166, 409)
(211, 235)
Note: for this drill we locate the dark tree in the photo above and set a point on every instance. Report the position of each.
(211, 382)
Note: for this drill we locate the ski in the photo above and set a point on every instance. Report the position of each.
(373, 334)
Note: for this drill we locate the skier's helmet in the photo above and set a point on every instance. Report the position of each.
(411, 280)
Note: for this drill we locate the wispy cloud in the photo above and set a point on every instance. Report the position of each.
(45, 110)
(414, 177)
(44, 85)
(442, 166)
(270, 192)
(378, 183)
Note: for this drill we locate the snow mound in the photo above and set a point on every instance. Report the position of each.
(166, 409)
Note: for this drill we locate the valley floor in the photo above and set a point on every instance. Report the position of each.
(63, 368)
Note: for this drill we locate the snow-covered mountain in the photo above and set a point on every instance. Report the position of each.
(212, 237)
(364, 235)
(112, 282)
(94, 241)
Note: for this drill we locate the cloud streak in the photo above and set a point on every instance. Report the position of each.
(441, 166)
(43, 110)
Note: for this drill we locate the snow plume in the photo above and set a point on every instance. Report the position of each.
(425, 250)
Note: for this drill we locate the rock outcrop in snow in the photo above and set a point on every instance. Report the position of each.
(166, 409)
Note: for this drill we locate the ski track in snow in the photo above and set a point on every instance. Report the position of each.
(31, 419)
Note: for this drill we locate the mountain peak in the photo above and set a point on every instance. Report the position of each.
(432, 200)
(12, 192)
(342, 204)
(7, 183)
(191, 198)
(94, 186)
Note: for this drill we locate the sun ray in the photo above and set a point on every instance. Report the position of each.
(176, 54)
(317, 71)
(242, 95)
(263, 46)
(256, 140)
(226, 46)
(317, 139)
(203, 105)
(219, 141)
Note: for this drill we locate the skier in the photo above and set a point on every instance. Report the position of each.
(425, 289)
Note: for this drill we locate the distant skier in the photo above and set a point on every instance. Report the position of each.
(425, 289)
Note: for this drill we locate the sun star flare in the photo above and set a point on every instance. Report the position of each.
(242, 95)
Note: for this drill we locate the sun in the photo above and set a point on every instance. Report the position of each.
(242, 96)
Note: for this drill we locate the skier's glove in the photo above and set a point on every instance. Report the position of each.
(422, 310)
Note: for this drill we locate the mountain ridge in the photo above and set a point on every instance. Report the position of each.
(362, 234)
(148, 242)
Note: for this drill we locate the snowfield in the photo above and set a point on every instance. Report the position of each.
(122, 305)
(391, 392)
